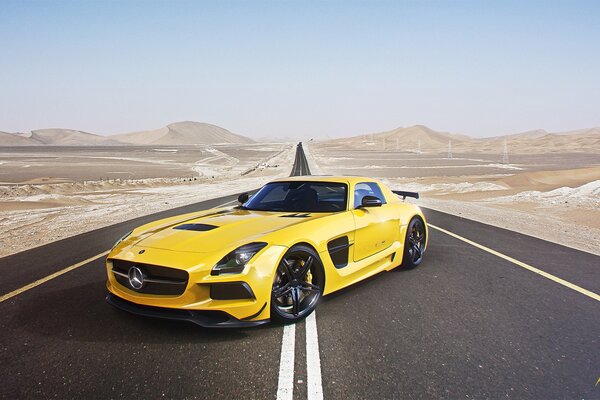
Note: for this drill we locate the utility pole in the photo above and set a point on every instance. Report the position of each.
(397, 143)
(505, 153)
(449, 149)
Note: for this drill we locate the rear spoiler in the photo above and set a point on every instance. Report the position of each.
(406, 194)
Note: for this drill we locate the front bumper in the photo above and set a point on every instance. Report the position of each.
(207, 319)
(204, 294)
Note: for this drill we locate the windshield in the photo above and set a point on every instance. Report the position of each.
(299, 196)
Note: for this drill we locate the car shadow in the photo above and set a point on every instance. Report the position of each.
(80, 313)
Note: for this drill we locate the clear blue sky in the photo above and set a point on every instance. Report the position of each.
(320, 69)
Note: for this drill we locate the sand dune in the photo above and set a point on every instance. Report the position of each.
(549, 180)
(584, 196)
(403, 138)
(420, 138)
(176, 134)
(417, 139)
(70, 137)
(538, 133)
(12, 139)
(586, 141)
(183, 133)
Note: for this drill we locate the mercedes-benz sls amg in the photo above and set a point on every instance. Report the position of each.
(272, 257)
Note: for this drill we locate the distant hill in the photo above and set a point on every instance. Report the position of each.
(587, 131)
(69, 137)
(414, 138)
(533, 134)
(13, 139)
(568, 142)
(409, 139)
(183, 133)
(179, 133)
(422, 138)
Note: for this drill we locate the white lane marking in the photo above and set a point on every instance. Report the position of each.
(65, 270)
(313, 361)
(521, 264)
(224, 204)
(52, 276)
(285, 386)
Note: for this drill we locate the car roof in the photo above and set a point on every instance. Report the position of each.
(327, 178)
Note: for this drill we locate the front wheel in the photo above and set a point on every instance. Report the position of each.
(414, 244)
(298, 285)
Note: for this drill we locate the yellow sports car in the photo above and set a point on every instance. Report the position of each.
(271, 258)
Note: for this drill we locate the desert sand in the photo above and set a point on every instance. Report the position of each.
(49, 195)
(546, 185)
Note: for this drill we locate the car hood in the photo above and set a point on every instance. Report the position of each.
(220, 230)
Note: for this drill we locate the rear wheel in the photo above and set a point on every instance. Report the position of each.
(414, 245)
(298, 285)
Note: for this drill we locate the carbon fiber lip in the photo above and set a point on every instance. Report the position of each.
(206, 319)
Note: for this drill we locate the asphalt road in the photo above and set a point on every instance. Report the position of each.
(465, 324)
(300, 166)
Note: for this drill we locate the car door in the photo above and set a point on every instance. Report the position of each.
(376, 228)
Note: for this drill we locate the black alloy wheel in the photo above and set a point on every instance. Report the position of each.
(298, 285)
(414, 245)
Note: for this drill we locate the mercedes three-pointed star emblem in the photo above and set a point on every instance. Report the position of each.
(136, 278)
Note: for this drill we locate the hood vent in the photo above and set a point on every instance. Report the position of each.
(196, 227)
(295, 215)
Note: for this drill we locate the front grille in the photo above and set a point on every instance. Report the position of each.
(157, 280)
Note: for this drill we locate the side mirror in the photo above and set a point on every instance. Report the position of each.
(242, 198)
(370, 201)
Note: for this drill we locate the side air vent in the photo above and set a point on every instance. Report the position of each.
(196, 227)
(339, 251)
(231, 291)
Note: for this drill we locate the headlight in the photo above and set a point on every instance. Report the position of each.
(125, 236)
(234, 262)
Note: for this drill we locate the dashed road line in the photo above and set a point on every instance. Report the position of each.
(285, 385)
(521, 264)
(313, 360)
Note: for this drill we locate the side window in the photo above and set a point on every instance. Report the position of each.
(367, 189)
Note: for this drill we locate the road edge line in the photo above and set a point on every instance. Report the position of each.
(521, 264)
(68, 269)
(51, 276)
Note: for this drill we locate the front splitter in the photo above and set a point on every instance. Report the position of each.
(207, 319)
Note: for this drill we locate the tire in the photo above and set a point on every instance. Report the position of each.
(294, 299)
(414, 244)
